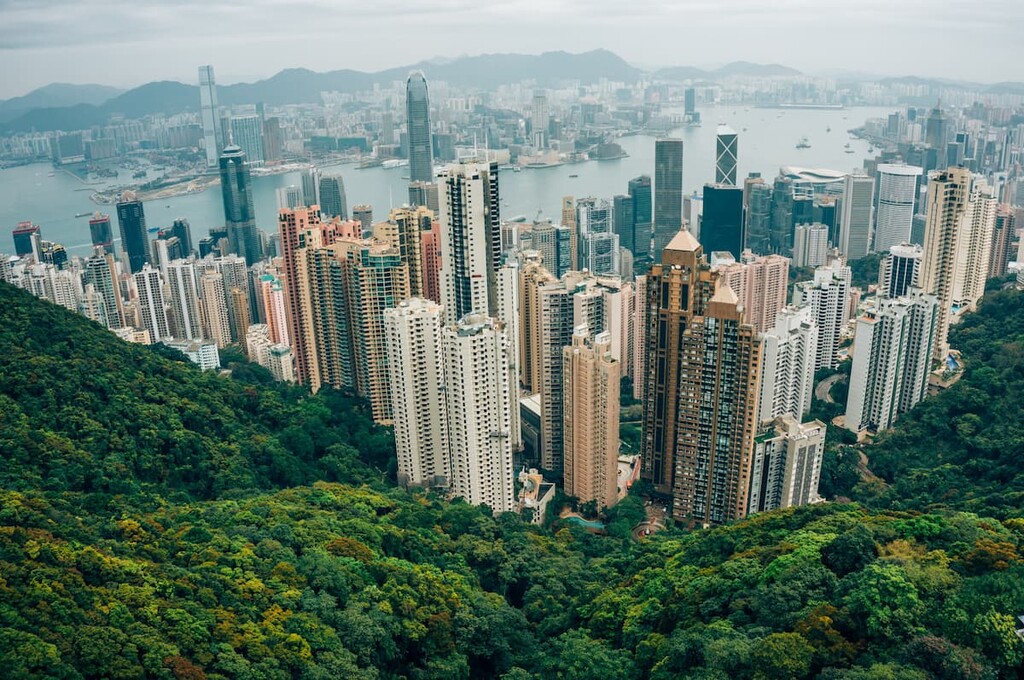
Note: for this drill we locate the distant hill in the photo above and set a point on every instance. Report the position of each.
(56, 95)
(734, 69)
(160, 97)
(302, 86)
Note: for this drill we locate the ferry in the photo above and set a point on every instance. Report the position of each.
(85, 214)
(803, 143)
(573, 175)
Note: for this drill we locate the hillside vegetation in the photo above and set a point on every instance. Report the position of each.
(160, 522)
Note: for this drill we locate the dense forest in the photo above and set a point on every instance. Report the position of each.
(156, 521)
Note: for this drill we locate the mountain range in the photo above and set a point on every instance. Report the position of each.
(35, 111)
(75, 107)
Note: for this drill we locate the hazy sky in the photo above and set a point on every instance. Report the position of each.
(126, 43)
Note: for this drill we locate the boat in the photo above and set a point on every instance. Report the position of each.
(848, 151)
(573, 175)
(516, 168)
(803, 143)
(828, 129)
(846, 146)
(85, 214)
(871, 149)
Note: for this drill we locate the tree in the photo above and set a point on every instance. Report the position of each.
(781, 656)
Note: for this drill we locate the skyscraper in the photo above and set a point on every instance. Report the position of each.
(363, 214)
(855, 220)
(899, 271)
(213, 140)
(897, 192)
(891, 357)
(599, 245)
(26, 236)
(555, 321)
(413, 337)
(479, 401)
(151, 303)
(757, 214)
(591, 419)
(470, 239)
(639, 189)
(403, 231)
(957, 245)
(726, 155)
(247, 133)
(787, 375)
(569, 221)
(131, 220)
(668, 193)
(720, 368)
(417, 109)
(624, 222)
(311, 186)
(721, 225)
(101, 233)
(678, 287)
(239, 214)
(181, 229)
(332, 197)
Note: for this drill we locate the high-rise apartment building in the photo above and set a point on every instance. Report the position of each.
(788, 356)
(828, 296)
(959, 223)
(810, 245)
(417, 110)
(726, 155)
(760, 282)
(152, 308)
(569, 221)
(555, 322)
(721, 224)
(131, 219)
(403, 231)
(639, 189)
(332, 197)
(899, 271)
(639, 340)
(413, 337)
(591, 419)
(216, 320)
(1003, 237)
(275, 309)
(430, 261)
(855, 216)
(720, 368)
(532, 273)
(897, 195)
(479, 398)
(101, 273)
(239, 213)
(184, 294)
(300, 227)
(470, 239)
(213, 140)
(624, 221)
(787, 465)
(891, 356)
(668, 193)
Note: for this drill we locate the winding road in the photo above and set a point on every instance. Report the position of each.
(823, 390)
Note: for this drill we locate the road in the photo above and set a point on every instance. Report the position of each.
(823, 391)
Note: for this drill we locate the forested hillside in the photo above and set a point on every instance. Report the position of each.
(160, 522)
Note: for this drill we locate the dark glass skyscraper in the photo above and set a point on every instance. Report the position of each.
(757, 218)
(668, 193)
(417, 109)
(721, 226)
(181, 229)
(23, 235)
(640, 191)
(101, 233)
(624, 222)
(131, 220)
(239, 216)
(332, 197)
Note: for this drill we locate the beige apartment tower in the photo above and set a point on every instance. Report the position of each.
(591, 416)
